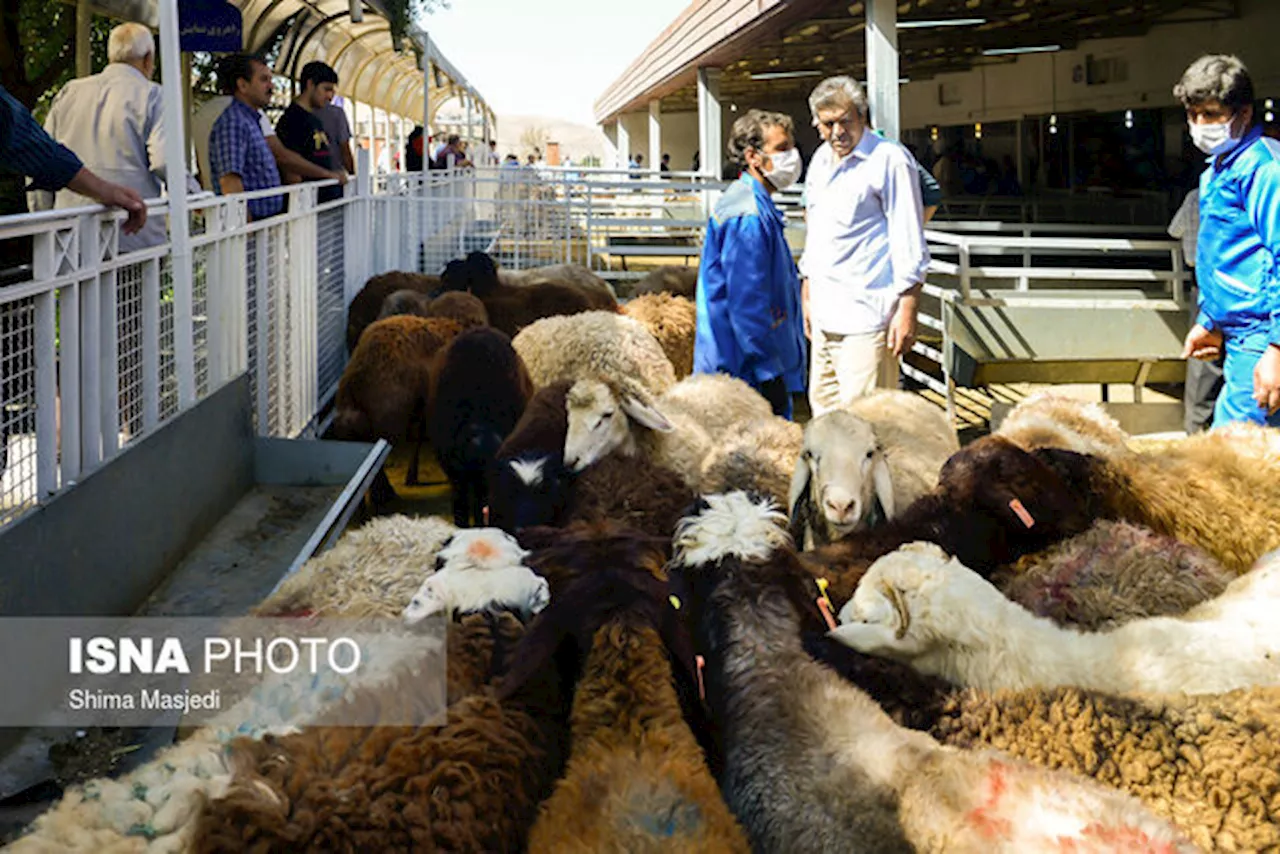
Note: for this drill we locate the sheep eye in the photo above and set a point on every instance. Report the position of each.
(606, 415)
(870, 454)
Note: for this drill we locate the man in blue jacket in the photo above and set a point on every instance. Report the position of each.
(1239, 240)
(749, 319)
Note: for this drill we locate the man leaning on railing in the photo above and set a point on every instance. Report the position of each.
(26, 149)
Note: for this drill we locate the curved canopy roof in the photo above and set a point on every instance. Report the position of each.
(371, 68)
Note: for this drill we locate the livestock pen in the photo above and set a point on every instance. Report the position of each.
(121, 369)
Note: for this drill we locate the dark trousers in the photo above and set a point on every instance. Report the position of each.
(1204, 383)
(775, 391)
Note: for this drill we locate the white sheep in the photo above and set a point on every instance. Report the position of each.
(862, 464)
(923, 607)
(479, 568)
(371, 571)
(594, 344)
(605, 416)
(1050, 419)
(719, 403)
(678, 429)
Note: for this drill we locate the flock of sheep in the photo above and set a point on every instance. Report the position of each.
(679, 623)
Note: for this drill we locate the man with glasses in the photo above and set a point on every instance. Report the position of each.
(860, 288)
(1238, 242)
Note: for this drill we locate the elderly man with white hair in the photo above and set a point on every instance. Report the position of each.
(865, 254)
(114, 122)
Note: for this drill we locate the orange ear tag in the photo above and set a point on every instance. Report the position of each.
(1016, 506)
(702, 690)
(825, 608)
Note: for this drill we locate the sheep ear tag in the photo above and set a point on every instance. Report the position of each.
(825, 608)
(1027, 519)
(675, 602)
(702, 688)
(824, 602)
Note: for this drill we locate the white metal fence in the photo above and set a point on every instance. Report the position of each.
(94, 343)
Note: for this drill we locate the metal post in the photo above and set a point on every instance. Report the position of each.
(655, 133)
(179, 238)
(710, 130)
(882, 65)
(611, 155)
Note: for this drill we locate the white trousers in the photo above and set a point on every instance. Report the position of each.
(845, 367)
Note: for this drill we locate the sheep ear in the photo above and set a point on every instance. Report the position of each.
(798, 498)
(645, 415)
(884, 485)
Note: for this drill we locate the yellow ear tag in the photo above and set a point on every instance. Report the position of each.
(675, 602)
(822, 589)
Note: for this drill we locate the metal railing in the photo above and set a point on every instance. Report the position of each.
(96, 344)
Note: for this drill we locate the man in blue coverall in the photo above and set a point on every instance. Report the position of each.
(748, 298)
(1239, 240)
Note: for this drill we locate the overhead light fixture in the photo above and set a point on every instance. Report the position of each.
(977, 130)
(1010, 51)
(1128, 119)
(903, 81)
(1053, 124)
(779, 75)
(941, 22)
(933, 133)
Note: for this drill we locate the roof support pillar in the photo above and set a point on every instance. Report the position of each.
(710, 130)
(610, 132)
(471, 128)
(624, 143)
(655, 133)
(882, 66)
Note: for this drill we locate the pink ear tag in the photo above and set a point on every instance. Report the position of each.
(702, 690)
(825, 608)
(1016, 506)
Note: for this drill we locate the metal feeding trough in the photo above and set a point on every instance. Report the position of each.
(201, 518)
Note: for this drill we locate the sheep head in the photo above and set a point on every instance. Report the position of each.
(1033, 502)
(738, 542)
(601, 417)
(478, 568)
(600, 573)
(908, 600)
(843, 472)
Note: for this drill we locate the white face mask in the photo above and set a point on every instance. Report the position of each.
(786, 168)
(1214, 139)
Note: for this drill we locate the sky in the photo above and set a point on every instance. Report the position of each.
(546, 57)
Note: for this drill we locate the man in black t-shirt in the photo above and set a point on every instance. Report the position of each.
(300, 129)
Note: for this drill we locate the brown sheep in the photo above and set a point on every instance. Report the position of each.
(383, 393)
(637, 779)
(674, 280)
(466, 309)
(1113, 573)
(367, 304)
(1209, 493)
(513, 307)
(404, 302)
(473, 784)
(670, 320)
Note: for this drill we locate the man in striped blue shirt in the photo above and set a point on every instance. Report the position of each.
(239, 157)
(26, 149)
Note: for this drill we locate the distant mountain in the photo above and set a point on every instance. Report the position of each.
(576, 140)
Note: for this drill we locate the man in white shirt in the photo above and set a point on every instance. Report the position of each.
(860, 287)
(114, 122)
